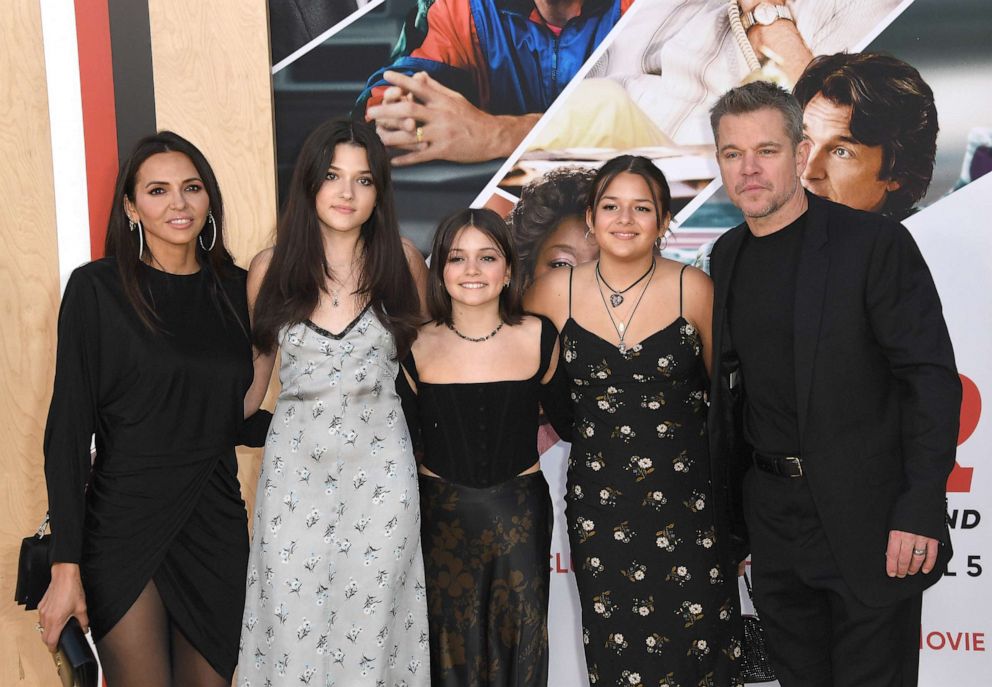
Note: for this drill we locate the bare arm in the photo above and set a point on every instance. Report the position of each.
(263, 363)
(548, 296)
(418, 269)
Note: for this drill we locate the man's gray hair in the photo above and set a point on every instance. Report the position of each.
(760, 95)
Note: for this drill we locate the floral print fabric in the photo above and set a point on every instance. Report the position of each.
(486, 556)
(336, 594)
(657, 610)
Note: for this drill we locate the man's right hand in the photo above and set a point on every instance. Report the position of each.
(63, 600)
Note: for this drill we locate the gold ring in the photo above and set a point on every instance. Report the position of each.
(920, 552)
(420, 134)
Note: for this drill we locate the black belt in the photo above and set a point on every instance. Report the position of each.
(784, 466)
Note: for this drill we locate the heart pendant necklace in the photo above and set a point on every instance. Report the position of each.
(620, 326)
(616, 296)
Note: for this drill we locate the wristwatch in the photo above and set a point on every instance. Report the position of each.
(764, 13)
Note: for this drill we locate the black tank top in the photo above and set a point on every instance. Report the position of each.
(478, 433)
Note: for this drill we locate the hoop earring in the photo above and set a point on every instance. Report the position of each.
(213, 240)
(662, 242)
(588, 232)
(141, 235)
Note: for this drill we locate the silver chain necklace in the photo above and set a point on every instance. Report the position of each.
(616, 296)
(336, 293)
(623, 327)
(477, 339)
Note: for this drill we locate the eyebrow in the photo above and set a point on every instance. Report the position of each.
(462, 250)
(636, 200)
(562, 246)
(364, 171)
(841, 139)
(166, 183)
(762, 144)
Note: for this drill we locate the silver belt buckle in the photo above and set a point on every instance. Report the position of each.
(798, 463)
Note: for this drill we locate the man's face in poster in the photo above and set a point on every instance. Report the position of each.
(840, 168)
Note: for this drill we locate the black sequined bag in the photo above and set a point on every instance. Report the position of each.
(755, 664)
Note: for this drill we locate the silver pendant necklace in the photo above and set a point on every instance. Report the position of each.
(336, 293)
(616, 297)
(620, 326)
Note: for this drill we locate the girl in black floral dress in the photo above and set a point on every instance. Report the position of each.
(659, 599)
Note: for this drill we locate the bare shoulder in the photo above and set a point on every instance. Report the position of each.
(532, 326)
(694, 279)
(427, 336)
(260, 263)
(410, 250)
(257, 270)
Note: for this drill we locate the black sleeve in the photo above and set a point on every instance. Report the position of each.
(254, 429)
(72, 416)
(555, 397)
(409, 402)
(906, 318)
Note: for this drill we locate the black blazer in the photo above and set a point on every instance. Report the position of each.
(877, 393)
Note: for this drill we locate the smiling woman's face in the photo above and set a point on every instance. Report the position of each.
(169, 199)
(566, 245)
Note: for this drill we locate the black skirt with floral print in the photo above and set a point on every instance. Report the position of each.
(656, 608)
(486, 561)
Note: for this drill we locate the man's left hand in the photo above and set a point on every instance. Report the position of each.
(908, 554)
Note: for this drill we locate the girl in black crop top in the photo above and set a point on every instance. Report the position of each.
(471, 389)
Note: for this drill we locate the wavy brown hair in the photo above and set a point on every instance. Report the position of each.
(298, 270)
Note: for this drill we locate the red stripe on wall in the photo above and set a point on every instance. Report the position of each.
(96, 81)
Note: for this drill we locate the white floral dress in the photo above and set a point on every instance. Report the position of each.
(336, 593)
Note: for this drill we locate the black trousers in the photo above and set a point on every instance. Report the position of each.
(819, 633)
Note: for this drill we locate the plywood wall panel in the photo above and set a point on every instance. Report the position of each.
(29, 298)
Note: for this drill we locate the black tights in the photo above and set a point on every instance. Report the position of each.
(145, 649)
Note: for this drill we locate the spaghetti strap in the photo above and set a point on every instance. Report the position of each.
(681, 273)
(571, 271)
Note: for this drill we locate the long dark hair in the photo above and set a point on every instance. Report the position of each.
(492, 225)
(123, 244)
(642, 167)
(298, 270)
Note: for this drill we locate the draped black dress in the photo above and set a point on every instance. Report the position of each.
(162, 500)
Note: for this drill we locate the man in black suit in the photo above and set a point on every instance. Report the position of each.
(834, 407)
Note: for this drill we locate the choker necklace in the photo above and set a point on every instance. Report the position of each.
(616, 297)
(477, 339)
(622, 327)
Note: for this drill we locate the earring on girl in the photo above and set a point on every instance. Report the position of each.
(141, 235)
(661, 242)
(213, 240)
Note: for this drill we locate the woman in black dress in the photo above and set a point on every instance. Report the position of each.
(656, 582)
(471, 390)
(150, 543)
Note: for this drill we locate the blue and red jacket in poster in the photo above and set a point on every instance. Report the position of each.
(501, 54)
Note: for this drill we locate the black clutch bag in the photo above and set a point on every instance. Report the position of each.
(74, 660)
(755, 665)
(34, 572)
